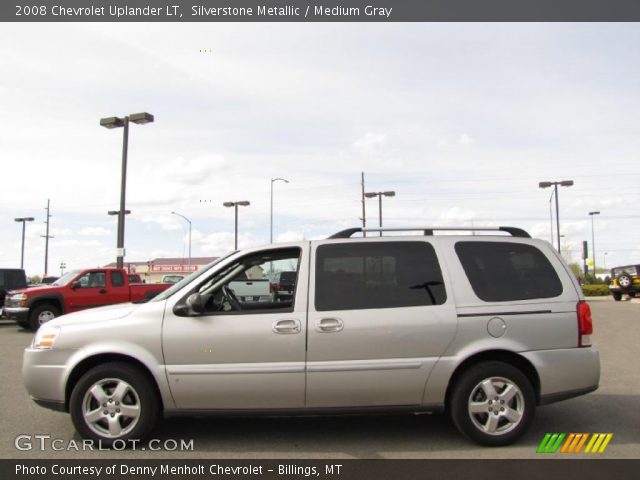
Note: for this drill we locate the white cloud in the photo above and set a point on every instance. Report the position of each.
(95, 232)
(369, 144)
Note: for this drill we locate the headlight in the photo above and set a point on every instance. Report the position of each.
(19, 299)
(45, 337)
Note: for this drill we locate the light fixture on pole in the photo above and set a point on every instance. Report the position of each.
(242, 203)
(116, 122)
(273, 180)
(380, 195)
(24, 220)
(593, 242)
(189, 222)
(563, 183)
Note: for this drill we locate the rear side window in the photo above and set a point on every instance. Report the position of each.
(361, 275)
(503, 271)
(117, 279)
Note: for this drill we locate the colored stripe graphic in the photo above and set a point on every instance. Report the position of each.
(550, 443)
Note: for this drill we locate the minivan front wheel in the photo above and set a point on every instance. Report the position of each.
(114, 402)
(493, 403)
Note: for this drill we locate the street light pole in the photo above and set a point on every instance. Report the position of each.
(271, 210)
(116, 122)
(242, 203)
(389, 193)
(189, 222)
(24, 220)
(563, 183)
(593, 242)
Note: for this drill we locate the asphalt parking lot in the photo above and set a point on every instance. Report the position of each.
(613, 408)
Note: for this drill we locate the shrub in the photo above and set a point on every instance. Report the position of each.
(595, 290)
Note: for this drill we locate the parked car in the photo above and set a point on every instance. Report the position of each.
(135, 278)
(624, 279)
(10, 278)
(488, 327)
(172, 278)
(283, 285)
(251, 289)
(74, 291)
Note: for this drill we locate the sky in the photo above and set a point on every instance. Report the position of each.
(462, 121)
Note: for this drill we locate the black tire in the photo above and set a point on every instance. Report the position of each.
(617, 296)
(509, 417)
(625, 281)
(41, 314)
(24, 324)
(139, 391)
(632, 294)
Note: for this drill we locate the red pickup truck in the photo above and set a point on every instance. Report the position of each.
(74, 291)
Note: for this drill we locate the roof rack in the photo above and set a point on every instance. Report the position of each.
(513, 231)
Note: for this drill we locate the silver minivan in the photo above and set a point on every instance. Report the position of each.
(487, 326)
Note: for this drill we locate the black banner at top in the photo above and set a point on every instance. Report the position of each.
(320, 11)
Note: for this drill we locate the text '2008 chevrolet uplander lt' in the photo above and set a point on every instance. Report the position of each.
(488, 326)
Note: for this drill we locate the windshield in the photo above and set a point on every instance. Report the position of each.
(66, 278)
(177, 286)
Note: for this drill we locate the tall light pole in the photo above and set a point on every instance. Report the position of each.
(380, 195)
(116, 122)
(46, 238)
(593, 243)
(273, 180)
(604, 258)
(242, 203)
(24, 220)
(189, 222)
(563, 183)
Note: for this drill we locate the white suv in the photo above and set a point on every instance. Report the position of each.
(487, 326)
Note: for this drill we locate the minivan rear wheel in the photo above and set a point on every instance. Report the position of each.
(114, 402)
(492, 403)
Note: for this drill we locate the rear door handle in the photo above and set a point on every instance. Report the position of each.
(327, 325)
(286, 326)
(102, 290)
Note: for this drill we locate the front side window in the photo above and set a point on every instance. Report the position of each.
(92, 280)
(505, 271)
(362, 275)
(245, 286)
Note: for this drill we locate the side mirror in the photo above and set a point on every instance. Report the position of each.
(196, 303)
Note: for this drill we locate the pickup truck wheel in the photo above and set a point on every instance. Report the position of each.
(617, 296)
(493, 404)
(42, 314)
(114, 402)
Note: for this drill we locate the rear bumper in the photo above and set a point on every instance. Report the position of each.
(565, 373)
(19, 314)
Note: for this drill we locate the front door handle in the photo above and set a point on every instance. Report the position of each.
(286, 326)
(327, 325)
(102, 290)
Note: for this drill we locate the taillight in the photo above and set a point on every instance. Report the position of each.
(585, 324)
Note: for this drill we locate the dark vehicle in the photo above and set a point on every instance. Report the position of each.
(135, 278)
(74, 291)
(10, 278)
(48, 280)
(284, 285)
(625, 279)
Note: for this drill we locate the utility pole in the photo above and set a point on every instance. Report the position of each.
(364, 214)
(46, 239)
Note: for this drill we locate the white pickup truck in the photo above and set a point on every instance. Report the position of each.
(251, 289)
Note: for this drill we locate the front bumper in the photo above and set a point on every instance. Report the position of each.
(44, 373)
(19, 314)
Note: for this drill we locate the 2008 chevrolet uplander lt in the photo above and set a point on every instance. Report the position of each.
(488, 326)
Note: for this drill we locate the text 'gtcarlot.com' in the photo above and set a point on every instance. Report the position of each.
(46, 442)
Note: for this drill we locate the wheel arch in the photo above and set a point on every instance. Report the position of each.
(55, 300)
(99, 359)
(505, 356)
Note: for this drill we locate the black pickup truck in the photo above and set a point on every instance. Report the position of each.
(10, 278)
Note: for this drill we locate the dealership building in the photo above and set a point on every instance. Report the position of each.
(152, 271)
